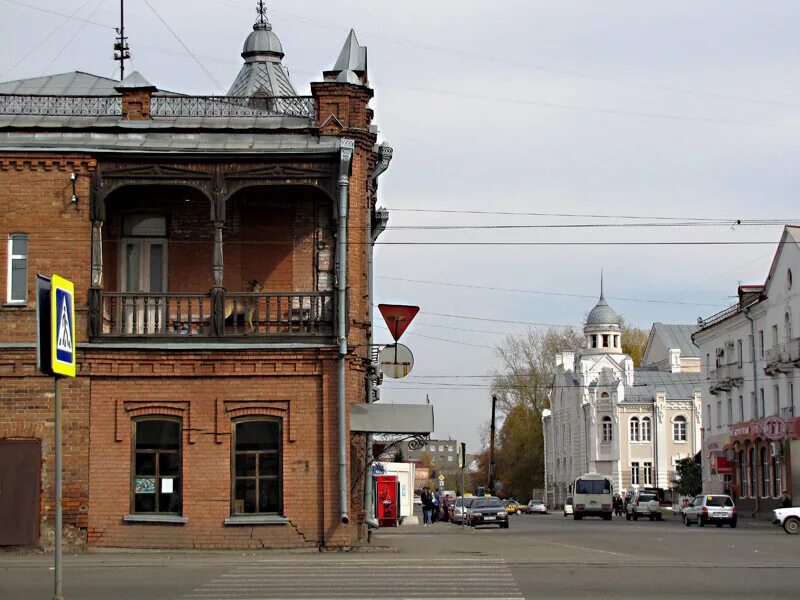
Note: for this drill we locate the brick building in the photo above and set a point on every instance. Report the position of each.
(221, 253)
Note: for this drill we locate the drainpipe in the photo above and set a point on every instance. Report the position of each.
(753, 468)
(345, 158)
(373, 230)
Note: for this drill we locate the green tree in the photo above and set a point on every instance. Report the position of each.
(521, 389)
(690, 477)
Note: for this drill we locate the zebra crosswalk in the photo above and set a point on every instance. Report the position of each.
(386, 578)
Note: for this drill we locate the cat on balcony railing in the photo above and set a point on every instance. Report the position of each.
(235, 307)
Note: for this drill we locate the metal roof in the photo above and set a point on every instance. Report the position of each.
(602, 314)
(677, 386)
(147, 140)
(677, 336)
(75, 83)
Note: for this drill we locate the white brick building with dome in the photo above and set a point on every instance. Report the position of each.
(605, 416)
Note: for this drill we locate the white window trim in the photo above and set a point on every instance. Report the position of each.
(649, 430)
(11, 259)
(685, 422)
(638, 437)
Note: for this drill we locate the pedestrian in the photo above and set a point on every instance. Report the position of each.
(427, 506)
(786, 500)
(435, 512)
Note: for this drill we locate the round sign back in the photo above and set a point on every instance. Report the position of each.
(396, 361)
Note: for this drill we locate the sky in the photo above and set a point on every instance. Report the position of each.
(669, 112)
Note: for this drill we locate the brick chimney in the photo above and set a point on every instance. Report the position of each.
(137, 94)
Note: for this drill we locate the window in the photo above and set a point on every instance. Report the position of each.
(739, 353)
(593, 486)
(646, 429)
(719, 414)
(761, 343)
(679, 429)
(635, 429)
(788, 279)
(752, 471)
(635, 473)
(441, 447)
(708, 414)
(761, 404)
(765, 469)
(605, 340)
(776, 476)
(730, 410)
(607, 430)
(257, 467)
(777, 396)
(741, 408)
(774, 336)
(755, 405)
(18, 268)
(156, 485)
(449, 458)
(742, 474)
(648, 473)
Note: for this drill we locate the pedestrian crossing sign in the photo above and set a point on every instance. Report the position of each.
(62, 331)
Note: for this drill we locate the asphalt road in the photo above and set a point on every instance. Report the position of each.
(539, 556)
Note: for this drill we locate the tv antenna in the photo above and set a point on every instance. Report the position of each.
(122, 51)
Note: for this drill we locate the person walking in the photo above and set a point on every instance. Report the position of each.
(435, 514)
(786, 500)
(427, 506)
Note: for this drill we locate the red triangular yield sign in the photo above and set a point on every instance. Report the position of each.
(398, 317)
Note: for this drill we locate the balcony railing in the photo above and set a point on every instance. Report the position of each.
(61, 106)
(161, 106)
(255, 315)
(231, 107)
(779, 358)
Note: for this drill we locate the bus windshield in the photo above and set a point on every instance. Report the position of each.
(592, 486)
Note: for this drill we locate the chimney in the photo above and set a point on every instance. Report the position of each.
(137, 94)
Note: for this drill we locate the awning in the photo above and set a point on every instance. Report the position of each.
(391, 418)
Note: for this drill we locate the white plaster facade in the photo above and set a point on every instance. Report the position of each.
(607, 417)
(751, 360)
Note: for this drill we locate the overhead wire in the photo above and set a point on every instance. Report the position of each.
(68, 16)
(80, 28)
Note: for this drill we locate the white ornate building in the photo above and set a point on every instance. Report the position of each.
(606, 416)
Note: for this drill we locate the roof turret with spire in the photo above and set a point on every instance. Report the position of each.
(263, 74)
(603, 328)
(351, 66)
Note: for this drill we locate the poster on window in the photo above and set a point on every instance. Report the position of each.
(145, 485)
(167, 485)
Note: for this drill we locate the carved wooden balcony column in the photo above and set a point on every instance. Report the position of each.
(218, 291)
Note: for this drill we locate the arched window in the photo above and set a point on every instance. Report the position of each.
(635, 429)
(257, 470)
(765, 469)
(156, 485)
(604, 395)
(787, 327)
(607, 431)
(646, 429)
(742, 474)
(788, 279)
(753, 488)
(679, 429)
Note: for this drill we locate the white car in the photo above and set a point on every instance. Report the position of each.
(789, 518)
(536, 506)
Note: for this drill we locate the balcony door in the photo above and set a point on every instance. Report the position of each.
(144, 274)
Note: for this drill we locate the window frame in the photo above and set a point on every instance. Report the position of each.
(634, 424)
(606, 430)
(646, 433)
(10, 268)
(281, 508)
(134, 451)
(635, 473)
(647, 468)
(680, 425)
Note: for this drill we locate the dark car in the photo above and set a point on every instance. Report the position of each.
(488, 511)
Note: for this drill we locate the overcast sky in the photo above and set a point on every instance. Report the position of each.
(681, 109)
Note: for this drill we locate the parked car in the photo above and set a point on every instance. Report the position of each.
(568, 508)
(487, 511)
(643, 505)
(788, 518)
(710, 508)
(536, 506)
(461, 506)
(512, 507)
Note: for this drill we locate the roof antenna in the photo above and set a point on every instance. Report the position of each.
(262, 12)
(601, 283)
(121, 50)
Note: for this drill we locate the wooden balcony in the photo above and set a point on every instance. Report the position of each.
(223, 316)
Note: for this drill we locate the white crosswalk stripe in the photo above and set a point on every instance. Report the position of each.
(386, 578)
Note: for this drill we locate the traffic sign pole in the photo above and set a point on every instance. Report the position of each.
(58, 595)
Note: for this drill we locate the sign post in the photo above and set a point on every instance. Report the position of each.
(55, 327)
(462, 460)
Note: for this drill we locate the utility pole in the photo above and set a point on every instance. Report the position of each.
(491, 447)
(121, 50)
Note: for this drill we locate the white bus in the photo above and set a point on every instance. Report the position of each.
(593, 496)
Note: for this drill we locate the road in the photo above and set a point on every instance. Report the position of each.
(539, 556)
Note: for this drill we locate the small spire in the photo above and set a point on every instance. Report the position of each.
(262, 13)
(602, 297)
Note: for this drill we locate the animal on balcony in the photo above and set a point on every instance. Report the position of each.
(245, 308)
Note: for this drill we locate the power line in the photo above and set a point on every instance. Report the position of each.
(538, 292)
(71, 17)
(74, 35)
(185, 47)
(580, 225)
